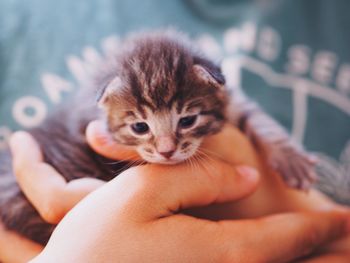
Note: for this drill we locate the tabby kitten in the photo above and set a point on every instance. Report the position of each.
(161, 96)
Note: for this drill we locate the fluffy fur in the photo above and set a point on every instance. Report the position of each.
(161, 96)
(160, 82)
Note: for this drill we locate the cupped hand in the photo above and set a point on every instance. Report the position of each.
(137, 217)
(144, 216)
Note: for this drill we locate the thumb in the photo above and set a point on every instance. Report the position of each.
(101, 142)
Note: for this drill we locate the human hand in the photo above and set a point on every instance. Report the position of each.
(60, 196)
(16, 249)
(326, 228)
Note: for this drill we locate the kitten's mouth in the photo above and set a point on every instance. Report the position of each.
(169, 161)
(178, 157)
(174, 160)
(165, 161)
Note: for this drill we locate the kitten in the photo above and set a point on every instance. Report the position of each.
(161, 96)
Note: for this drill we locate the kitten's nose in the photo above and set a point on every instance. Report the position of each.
(166, 146)
(167, 154)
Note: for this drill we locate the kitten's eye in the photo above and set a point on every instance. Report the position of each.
(140, 127)
(187, 122)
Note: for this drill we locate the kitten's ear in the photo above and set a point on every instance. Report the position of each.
(111, 88)
(208, 71)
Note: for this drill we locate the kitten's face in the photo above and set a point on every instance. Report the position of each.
(164, 103)
(167, 136)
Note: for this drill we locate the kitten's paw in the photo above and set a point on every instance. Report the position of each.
(296, 167)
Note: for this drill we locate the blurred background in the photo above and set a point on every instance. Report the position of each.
(292, 56)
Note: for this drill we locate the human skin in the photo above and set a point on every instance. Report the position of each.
(227, 239)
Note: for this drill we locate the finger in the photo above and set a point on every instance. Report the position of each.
(100, 140)
(11, 244)
(34, 177)
(141, 187)
(216, 146)
(181, 186)
(19, 152)
(338, 257)
(286, 237)
(44, 187)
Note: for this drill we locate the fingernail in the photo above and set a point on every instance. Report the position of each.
(97, 131)
(99, 127)
(16, 139)
(247, 172)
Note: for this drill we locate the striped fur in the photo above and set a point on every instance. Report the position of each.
(283, 155)
(158, 79)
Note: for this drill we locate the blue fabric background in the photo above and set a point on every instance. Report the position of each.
(37, 37)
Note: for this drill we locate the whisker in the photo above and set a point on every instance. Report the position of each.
(196, 162)
(194, 165)
(127, 159)
(129, 165)
(212, 153)
(190, 164)
(206, 160)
